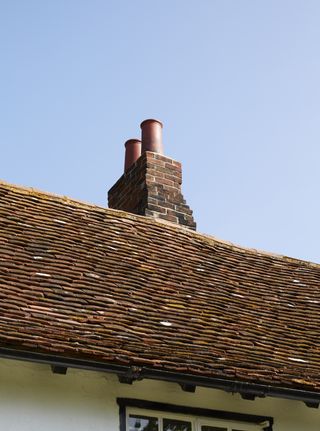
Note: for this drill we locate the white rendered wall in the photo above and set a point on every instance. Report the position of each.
(32, 398)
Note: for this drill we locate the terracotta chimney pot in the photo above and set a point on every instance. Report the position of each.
(151, 136)
(133, 152)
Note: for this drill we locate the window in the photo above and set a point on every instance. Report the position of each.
(142, 420)
(138, 415)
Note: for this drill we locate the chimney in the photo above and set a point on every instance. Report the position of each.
(151, 183)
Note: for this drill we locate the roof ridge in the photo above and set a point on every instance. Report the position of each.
(203, 236)
(261, 252)
(45, 194)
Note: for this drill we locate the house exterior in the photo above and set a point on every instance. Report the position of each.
(128, 319)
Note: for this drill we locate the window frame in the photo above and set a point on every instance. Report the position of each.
(197, 416)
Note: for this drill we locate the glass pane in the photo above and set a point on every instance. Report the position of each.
(143, 423)
(176, 425)
(209, 428)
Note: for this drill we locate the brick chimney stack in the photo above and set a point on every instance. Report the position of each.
(151, 183)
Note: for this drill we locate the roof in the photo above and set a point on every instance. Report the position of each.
(81, 281)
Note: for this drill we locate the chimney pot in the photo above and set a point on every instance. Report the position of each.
(151, 136)
(133, 152)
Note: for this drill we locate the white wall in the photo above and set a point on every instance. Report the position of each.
(32, 398)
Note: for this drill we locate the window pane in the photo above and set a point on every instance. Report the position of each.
(176, 425)
(209, 428)
(143, 423)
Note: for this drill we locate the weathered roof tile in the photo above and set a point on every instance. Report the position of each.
(84, 281)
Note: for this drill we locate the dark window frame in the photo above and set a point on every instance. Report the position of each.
(192, 411)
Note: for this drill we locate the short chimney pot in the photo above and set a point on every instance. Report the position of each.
(133, 152)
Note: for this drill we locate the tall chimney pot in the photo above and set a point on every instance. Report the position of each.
(151, 136)
(133, 152)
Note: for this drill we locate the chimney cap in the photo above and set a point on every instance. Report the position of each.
(150, 120)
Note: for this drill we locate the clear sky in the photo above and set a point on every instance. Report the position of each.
(236, 84)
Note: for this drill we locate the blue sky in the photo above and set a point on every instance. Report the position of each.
(236, 84)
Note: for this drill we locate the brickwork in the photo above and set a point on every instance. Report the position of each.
(152, 187)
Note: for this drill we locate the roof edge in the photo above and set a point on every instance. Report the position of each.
(129, 374)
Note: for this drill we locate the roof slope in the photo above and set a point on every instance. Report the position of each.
(86, 282)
